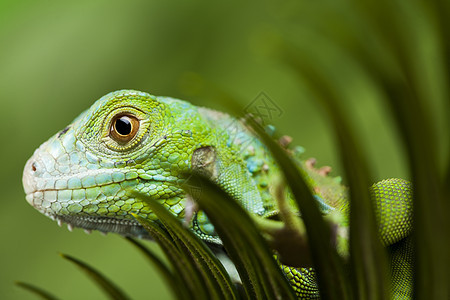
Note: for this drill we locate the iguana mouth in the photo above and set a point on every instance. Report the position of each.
(125, 227)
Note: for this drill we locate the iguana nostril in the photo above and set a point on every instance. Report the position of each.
(28, 178)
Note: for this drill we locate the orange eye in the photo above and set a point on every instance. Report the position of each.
(124, 128)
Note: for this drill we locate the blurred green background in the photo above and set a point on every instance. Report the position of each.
(57, 57)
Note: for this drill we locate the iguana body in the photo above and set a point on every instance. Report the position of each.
(130, 140)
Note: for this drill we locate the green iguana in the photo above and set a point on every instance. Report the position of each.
(130, 140)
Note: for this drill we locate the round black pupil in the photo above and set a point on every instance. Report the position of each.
(123, 126)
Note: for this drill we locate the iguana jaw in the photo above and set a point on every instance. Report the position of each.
(124, 227)
(44, 200)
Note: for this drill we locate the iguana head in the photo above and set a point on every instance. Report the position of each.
(127, 140)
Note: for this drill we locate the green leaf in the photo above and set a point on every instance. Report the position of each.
(368, 258)
(188, 276)
(172, 280)
(260, 274)
(213, 273)
(431, 203)
(413, 38)
(332, 279)
(36, 290)
(104, 283)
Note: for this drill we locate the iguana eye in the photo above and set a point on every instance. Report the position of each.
(124, 128)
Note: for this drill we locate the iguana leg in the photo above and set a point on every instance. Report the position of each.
(401, 263)
(303, 281)
(393, 199)
(393, 202)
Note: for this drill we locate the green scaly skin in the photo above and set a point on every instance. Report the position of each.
(83, 176)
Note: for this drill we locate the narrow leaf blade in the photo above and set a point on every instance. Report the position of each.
(36, 290)
(332, 280)
(188, 277)
(110, 289)
(369, 262)
(260, 274)
(172, 280)
(213, 273)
